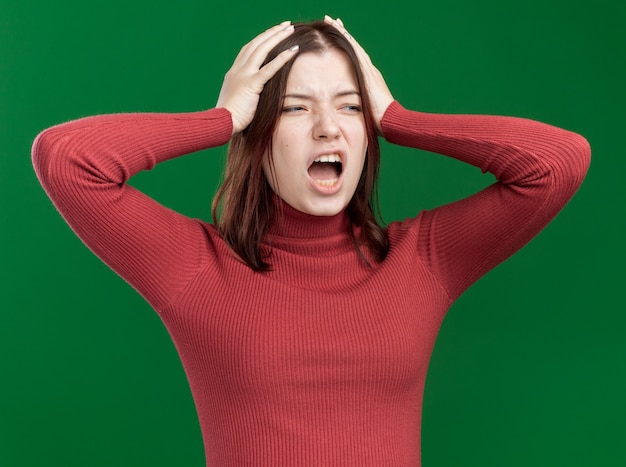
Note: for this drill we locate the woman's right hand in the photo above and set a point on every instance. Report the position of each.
(245, 80)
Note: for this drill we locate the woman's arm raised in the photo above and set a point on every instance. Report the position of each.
(538, 168)
(84, 166)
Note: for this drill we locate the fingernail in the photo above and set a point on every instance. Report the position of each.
(339, 21)
(285, 23)
(288, 27)
(294, 48)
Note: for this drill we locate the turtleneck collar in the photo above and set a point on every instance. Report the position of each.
(301, 233)
(291, 223)
(314, 252)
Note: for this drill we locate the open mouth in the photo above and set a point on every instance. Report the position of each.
(326, 170)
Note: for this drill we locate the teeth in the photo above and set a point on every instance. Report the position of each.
(328, 158)
(330, 182)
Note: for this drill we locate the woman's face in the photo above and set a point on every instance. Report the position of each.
(320, 140)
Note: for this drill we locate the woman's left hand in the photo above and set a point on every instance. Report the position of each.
(379, 94)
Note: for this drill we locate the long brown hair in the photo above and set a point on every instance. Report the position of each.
(243, 207)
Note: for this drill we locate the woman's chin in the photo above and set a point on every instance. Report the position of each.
(325, 207)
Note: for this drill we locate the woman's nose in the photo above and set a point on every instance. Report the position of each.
(326, 126)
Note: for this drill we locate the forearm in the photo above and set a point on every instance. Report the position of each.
(112, 148)
(538, 167)
(517, 151)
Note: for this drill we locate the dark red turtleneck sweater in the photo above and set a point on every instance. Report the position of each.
(322, 361)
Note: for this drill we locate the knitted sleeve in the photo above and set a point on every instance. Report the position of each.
(538, 168)
(84, 165)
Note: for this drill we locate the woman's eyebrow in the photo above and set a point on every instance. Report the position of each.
(348, 93)
(309, 97)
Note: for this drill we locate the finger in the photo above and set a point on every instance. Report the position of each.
(364, 58)
(342, 28)
(266, 40)
(338, 24)
(271, 68)
(267, 33)
(259, 54)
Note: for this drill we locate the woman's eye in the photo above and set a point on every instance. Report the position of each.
(292, 108)
(353, 108)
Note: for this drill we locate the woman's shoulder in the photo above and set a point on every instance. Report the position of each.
(404, 232)
(405, 226)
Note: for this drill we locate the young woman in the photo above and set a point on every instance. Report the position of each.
(305, 328)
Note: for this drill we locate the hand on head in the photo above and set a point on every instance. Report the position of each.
(246, 78)
(244, 81)
(379, 93)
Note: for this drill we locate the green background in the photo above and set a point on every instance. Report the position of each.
(530, 365)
